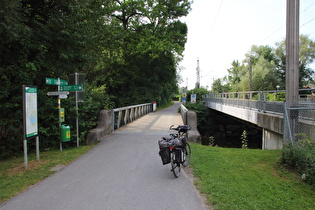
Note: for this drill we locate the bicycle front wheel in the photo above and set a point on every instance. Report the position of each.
(175, 165)
(187, 152)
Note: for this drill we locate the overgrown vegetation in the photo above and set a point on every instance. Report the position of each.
(301, 158)
(248, 179)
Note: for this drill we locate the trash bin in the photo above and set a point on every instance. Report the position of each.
(65, 133)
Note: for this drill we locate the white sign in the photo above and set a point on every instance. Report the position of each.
(30, 111)
(58, 93)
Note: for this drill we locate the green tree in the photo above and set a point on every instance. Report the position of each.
(199, 93)
(307, 56)
(264, 75)
(148, 43)
(41, 39)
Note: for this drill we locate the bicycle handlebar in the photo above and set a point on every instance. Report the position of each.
(181, 128)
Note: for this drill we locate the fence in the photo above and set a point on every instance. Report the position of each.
(124, 115)
(299, 123)
(262, 101)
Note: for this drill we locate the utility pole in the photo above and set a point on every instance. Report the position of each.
(292, 53)
(292, 66)
(198, 74)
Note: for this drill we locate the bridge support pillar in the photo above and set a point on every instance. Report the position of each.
(271, 140)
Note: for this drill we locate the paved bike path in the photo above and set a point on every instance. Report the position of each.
(124, 171)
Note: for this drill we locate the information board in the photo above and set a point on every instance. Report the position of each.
(30, 111)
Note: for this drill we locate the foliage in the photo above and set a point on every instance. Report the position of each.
(301, 157)
(268, 67)
(139, 65)
(220, 86)
(211, 141)
(244, 138)
(199, 93)
(203, 122)
(128, 51)
(248, 179)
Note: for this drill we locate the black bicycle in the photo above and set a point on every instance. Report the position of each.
(175, 149)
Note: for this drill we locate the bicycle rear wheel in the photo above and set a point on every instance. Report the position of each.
(175, 165)
(187, 154)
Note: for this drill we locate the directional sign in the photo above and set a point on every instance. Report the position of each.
(58, 93)
(51, 81)
(63, 96)
(71, 88)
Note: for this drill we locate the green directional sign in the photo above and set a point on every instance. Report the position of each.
(71, 88)
(51, 81)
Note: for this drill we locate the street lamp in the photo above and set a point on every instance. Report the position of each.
(277, 87)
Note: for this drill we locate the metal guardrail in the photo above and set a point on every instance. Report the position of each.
(256, 100)
(124, 115)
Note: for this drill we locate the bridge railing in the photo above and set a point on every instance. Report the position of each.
(124, 115)
(256, 100)
(263, 101)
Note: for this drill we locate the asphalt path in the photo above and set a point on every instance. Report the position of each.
(124, 171)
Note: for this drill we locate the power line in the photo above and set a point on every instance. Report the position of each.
(214, 22)
(273, 33)
(309, 6)
(215, 19)
(304, 10)
(307, 22)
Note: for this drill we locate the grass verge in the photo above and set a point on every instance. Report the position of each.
(248, 179)
(165, 106)
(14, 178)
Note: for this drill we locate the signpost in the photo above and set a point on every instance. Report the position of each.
(71, 88)
(58, 93)
(61, 95)
(63, 92)
(51, 81)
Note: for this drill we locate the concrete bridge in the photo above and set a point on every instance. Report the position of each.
(271, 116)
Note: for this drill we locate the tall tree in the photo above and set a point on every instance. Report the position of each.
(307, 56)
(148, 41)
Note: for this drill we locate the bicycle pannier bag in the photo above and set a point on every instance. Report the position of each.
(165, 155)
(179, 155)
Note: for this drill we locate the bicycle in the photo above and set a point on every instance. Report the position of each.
(175, 149)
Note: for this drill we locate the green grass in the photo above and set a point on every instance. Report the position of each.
(165, 106)
(14, 178)
(248, 179)
(229, 178)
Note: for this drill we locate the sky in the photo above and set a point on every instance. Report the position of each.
(220, 31)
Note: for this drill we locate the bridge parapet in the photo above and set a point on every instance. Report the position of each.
(109, 120)
(124, 115)
(190, 118)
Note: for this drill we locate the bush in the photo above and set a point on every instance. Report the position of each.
(301, 157)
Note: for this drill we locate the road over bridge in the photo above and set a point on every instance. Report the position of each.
(124, 171)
